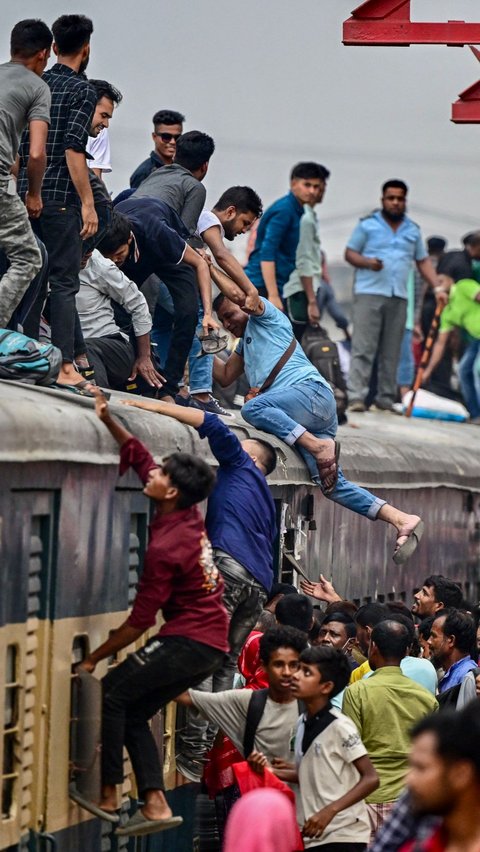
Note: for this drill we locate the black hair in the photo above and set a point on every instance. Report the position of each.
(71, 33)
(192, 476)
(342, 618)
(295, 611)
(395, 184)
(265, 621)
(28, 37)
(460, 625)
(309, 170)
(218, 301)
(471, 239)
(280, 637)
(445, 590)
(436, 245)
(194, 149)
(407, 622)
(371, 614)
(457, 734)
(425, 627)
(331, 663)
(281, 589)
(167, 116)
(391, 638)
(117, 234)
(269, 456)
(399, 607)
(243, 198)
(106, 90)
(348, 608)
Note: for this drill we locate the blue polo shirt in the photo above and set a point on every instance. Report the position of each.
(374, 237)
(241, 516)
(456, 673)
(277, 239)
(265, 340)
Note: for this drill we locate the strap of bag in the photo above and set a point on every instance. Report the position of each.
(279, 365)
(256, 707)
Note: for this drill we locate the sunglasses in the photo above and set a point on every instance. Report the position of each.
(168, 137)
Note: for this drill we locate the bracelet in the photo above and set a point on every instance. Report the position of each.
(437, 290)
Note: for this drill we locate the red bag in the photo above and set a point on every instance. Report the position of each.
(248, 780)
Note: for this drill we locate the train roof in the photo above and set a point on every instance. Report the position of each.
(381, 449)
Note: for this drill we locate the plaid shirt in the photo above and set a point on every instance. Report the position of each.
(401, 826)
(73, 105)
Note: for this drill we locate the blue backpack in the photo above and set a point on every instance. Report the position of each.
(25, 360)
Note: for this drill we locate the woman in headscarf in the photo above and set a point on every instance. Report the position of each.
(262, 821)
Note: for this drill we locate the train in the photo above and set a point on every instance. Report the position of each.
(72, 540)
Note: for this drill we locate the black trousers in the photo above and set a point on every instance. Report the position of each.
(112, 358)
(182, 285)
(135, 690)
(339, 847)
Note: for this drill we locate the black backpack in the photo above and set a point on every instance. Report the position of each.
(256, 707)
(323, 354)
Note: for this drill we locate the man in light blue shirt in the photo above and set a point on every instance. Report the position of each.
(451, 643)
(297, 405)
(382, 249)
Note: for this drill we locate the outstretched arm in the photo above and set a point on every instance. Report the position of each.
(102, 410)
(190, 416)
(230, 265)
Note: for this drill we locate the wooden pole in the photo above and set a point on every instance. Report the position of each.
(426, 354)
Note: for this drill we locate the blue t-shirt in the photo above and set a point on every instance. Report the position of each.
(456, 673)
(265, 340)
(277, 239)
(374, 237)
(241, 518)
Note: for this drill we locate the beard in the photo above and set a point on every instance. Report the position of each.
(84, 65)
(393, 217)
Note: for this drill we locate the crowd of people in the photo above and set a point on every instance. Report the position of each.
(361, 720)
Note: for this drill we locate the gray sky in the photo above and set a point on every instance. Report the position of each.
(271, 81)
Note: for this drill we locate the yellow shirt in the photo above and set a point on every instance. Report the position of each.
(360, 672)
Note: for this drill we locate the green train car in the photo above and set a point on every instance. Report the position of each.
(72, 539)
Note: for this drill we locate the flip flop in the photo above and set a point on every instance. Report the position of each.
(92, 808)
(408, 548)
(325, 465)
(81, 389)
(139, 825)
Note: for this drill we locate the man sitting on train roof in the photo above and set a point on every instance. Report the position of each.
(181, 579)
(290, 399)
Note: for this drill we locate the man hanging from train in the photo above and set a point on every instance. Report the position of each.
(241, 525)
(289, 398)
(180, 578)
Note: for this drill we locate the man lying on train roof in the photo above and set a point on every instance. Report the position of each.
(290, 399)
(181, 579)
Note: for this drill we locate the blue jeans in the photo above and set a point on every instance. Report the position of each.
(406, 364)
(200, 369)
(326, 301)
(468, 373)
(309, 407)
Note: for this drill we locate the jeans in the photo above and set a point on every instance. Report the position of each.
(244, 598)
(308, 406)
(378, 327)
(326, 301)
(181, 283)
(469, 375)
(135, 690)
(406, 364)
(200, 370)
(59, 228)
(18, 242)
(27, 313)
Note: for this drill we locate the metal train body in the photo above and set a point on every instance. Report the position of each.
(72, 539)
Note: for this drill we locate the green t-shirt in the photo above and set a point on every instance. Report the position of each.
(462, 310)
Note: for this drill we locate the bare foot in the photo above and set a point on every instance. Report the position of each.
(323, 451)
(108, 801)
(156, 806)
(69, 376)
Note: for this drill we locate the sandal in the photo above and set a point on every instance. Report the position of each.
(81, 389)
(326, 467)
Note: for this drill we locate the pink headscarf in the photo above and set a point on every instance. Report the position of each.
(261, 821)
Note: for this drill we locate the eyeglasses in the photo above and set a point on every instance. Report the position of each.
(168, 137)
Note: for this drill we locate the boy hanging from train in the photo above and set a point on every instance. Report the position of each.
(180, 578)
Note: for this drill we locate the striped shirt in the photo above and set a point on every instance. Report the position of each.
(73, 105)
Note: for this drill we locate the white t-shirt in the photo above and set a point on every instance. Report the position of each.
(325, 773)
(99, 148)
(206, 220)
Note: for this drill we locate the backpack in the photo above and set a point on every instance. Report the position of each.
(323, 354)
(23, 359)
(255, 710)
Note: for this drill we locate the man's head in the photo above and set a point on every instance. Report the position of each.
(424, 630)
(262, 454)
(193, 152)
(167, 128)
(366, 618)
(472, 244)
(436, 246)
(238, 208)
(72, 35)
(437, 592)
(30, 44)
(337, 631)
(308, 182)
(279, 650)
(277, 592)
(295, 611)
(452, 637)
(444, 762)
(394, 200)
(389, 644)
(108, 97)
(323, 671)
(180, 482)
(230, 315)
(115, 243)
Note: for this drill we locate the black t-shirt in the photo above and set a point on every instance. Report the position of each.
(159, 234)
(456, 264)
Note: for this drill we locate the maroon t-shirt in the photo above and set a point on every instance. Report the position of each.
(179, 576)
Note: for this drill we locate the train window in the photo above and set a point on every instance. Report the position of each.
(79, 649)
(10, 731)
(381, 598)
(136, 551)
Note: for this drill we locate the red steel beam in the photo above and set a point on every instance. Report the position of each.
(387, 23)
(467, 109)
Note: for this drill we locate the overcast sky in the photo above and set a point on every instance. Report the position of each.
(271, 81)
